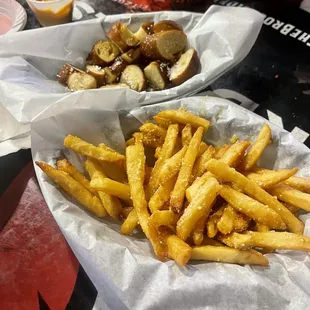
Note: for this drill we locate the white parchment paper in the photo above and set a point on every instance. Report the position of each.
(123, 268)
(222, 37)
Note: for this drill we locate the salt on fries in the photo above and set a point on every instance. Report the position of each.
(198, 201)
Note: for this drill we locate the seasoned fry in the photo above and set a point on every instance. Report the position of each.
(227, 255)
(301, 184)
(130, 141)
(178, 193)
(241, 222)
(157, 152)
(212, 221)
(235, 153)
(231, 204)
(226, 223)
(138, 137)
(172, 166)
(110, 203)
(165, 218)
(224, 172)
(151, 140)
(269, 240)
(75, 189)
(111, 187)
(292, 208)
(220, 151)
(259, 212)
(202, 148)
(197, 208)
(197, 234)
(135, 164)
(231, 157)
(162, 195)
(178, 249)
(293, 196)
(65, 165)
(183, 117)
(154, 130)
(162, 122)
(186, 135)
(130, 223)
(200, 164)
(166, 152)
(270, 177)
(114, 172)
(262, 228)
(78, 145)
(257, 148)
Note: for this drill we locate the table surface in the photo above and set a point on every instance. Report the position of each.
(272, 81)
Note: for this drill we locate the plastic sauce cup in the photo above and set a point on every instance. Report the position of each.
(53, 12)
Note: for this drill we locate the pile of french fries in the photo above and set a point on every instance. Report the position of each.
(197, 202)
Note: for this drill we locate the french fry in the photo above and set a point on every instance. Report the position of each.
(211, 224)
(154, 130)
(130, 141)
(200, 164)
(226, 223)
(290, 207)
(135, 164)
(290, 195)
(220, 151)
(65, 165)
(202, 148)
(270, 240)
(110, 203)
(157, 152)
(138, 137)
(126, 210)
(114, 172)
(111, 187)
(152, 141)
(262, 228)
(75, 189)
(162, 218)
(231, 156)
(224, 172)
(197, 208)
(257, 148)
(82, 147)
(259, 212)
(183, 117)
(234, 154)
(228, 255)
(301, 184)
(172, 166)
(162, 195)
(197, 234)
(183, 179)
(270, 177)
(130, 223)
(178, 250)
(108, 149)
(166, 152)
(162, 122)
(241, 222)
(186, 135)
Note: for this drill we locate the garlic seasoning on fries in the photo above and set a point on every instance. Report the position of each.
(197, 202)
